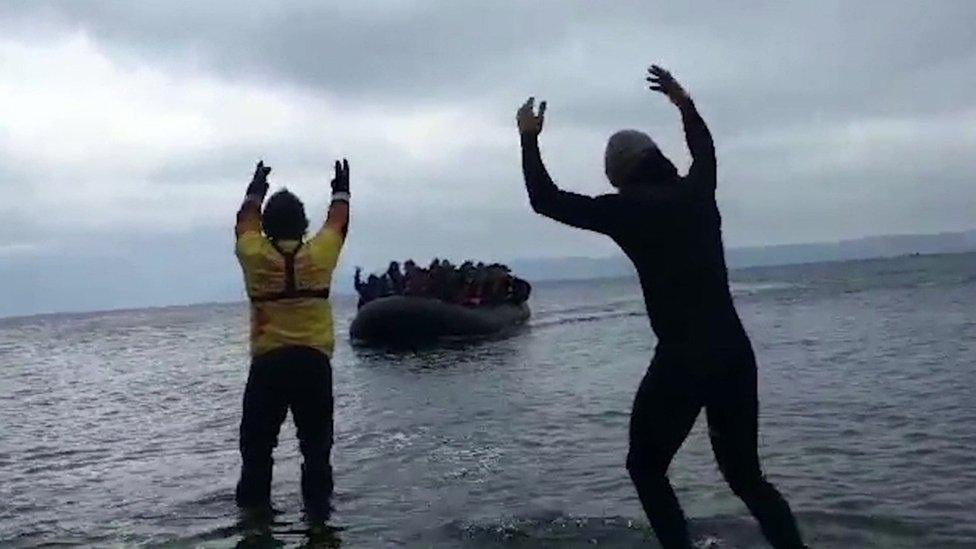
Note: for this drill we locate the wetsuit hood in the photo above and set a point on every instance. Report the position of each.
(625, 152)
(633, 158)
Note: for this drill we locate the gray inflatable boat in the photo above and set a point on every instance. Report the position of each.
(400, 319)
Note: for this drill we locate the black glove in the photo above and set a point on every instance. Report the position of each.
(259, 183)
(340, 183)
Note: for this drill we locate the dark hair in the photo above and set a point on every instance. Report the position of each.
(284, 217)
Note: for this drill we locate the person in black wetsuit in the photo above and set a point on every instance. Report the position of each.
(670, 227)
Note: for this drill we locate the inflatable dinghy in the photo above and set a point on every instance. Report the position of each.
(401, 319)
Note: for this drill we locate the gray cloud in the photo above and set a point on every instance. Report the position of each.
(864, 57)
(832, 120)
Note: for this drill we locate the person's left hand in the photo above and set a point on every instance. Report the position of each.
(662, 81)
(340, 183)
(530, 123)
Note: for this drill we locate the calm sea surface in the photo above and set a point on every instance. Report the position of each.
(120, 428)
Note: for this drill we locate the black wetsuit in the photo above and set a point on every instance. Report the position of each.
(672, 233)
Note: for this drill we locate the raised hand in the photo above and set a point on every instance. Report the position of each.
(261, 172)
(340, 183)
(530, 123)
(662, 81)
(259, 182)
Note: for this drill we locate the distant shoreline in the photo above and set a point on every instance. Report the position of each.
(744, 268)
(544, 281)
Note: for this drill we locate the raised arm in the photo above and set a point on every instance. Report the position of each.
(358, 280)
(338, 217)
(546, 198)
(249, 215)
(696, 132)
(326, 245)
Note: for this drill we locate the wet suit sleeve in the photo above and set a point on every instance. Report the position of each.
(700, 145)
(584, 212)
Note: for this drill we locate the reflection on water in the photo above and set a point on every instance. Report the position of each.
(259, 529)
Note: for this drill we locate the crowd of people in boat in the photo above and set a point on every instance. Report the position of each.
(470, 284)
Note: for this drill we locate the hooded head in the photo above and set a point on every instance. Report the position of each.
(284, 217)
(632, 158)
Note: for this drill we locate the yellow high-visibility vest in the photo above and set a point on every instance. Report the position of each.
(288, 284)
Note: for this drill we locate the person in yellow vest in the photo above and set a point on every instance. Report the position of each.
(287, 278)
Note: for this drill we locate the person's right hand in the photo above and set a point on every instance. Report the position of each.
(530, 123)
(261, 173)
(259, 182)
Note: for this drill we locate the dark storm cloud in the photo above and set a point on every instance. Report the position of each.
(832, 119)
(826, 58)
(392, 50)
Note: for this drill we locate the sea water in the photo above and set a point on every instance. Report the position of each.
(122, 427)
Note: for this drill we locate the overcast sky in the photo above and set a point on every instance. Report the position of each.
(128, 130)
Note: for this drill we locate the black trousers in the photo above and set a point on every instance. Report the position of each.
(677, 385)
(300, 379)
